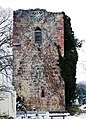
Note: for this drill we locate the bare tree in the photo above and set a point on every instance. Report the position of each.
(5, 44)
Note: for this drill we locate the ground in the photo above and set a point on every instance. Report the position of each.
(81, 116)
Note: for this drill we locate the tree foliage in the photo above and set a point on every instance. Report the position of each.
(69, 61)
(20, 104)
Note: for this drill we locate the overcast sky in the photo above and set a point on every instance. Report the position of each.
(75, 9)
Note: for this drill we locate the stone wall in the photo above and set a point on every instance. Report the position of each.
(36, 63)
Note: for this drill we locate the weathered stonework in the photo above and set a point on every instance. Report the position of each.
(36, 71)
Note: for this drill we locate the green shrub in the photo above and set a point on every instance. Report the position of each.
(4, 117)
(10, 118)
(74, 110)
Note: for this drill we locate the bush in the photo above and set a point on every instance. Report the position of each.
(74, 110)
(4, 117)
(10, 118)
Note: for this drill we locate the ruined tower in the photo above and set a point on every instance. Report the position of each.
(36, 72)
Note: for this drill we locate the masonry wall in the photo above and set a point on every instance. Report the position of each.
(36, 72)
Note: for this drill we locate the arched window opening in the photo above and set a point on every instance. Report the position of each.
(42, 93)
(38, 36)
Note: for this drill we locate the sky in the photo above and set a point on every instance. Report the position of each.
(75, 9)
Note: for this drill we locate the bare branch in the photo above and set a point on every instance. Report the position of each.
(5, 42)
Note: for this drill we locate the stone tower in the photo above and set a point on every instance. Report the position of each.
(36, 74)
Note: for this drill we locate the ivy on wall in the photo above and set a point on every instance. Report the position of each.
(69, 61)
